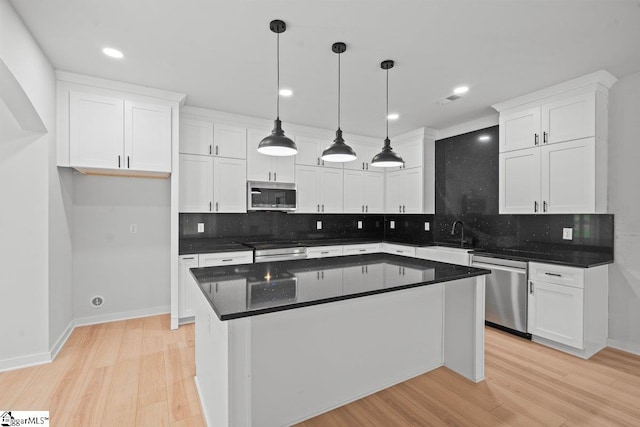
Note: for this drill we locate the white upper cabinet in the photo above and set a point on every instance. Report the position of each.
(212, 139)
(212, 184)
(117, 134)
(229, 141)
(363, 192)
(267, 168)
(519, 129)
(404, 191)
(111, 128)
(553, 148)
(319, 189)
(96, 131)
(310, 152)
(410, 150)
(147, 137)
(196, 137)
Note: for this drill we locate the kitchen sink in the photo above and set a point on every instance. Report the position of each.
(448, 254)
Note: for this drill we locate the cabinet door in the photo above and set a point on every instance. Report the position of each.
(147, 137)
(354, 191)
(307, 151)
(196, 183)
(520, 129)
(394, 191)
(556, 313)
(413, 191)
(411, 153)
(331, 190)
(520, 181)
(258, 165)
(361, 158)
(232, 292)
(568, 177)
(283, 168)
(373, 192)
(307, 181)
(96, 131)
(229, 185)
(196, 137)
(569, 119)
(353, 280)
(230, 141)
(186, 285)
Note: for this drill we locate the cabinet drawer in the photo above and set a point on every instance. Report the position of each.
(324, 251)
(225, 258)
(399, 249)
(362, 249)
(558, 274)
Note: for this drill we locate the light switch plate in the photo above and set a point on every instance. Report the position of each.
(427, 226)
(359, 225)
(567, 233)
(201, 227)
(318, 225)
(392, 225)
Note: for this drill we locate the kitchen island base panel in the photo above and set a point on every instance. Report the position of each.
(284, 367)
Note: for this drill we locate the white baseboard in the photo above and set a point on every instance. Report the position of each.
(624, 346)
(57, 346)
(123, 315)
(25, 361)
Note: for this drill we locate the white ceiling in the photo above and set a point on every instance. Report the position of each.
(222, 54)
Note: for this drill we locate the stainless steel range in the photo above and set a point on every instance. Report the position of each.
(277, 251)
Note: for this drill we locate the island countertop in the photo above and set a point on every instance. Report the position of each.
(245, 290)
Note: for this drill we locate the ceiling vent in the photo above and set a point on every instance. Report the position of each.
(448, 99)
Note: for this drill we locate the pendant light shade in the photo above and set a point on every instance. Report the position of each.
(387, 158)
(338, 151)
(277, 144)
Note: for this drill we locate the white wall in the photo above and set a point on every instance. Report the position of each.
(26, 232)
(624, 203)
(131, 271)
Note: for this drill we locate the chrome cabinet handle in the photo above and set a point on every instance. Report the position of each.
(210, 206)
(227, 260)
(269, 176)
(322, 275)
(216, 206)
(535, 206)
(318, 208)
(362, 165)
(545, 137)
(362, 208)
(274, 176)
(367, 165)
(318, 161)
(404, 208)
(553, 274)
(535, 139)
(118, 162)
(544, 206)
(324, 252)
(189, 257)
(366, 208)
(323, 207)
(210, 150)
(216, 150)
(531, 288)
(128, 163)
(400, 208)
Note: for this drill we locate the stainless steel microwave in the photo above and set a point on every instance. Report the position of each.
(271, 196)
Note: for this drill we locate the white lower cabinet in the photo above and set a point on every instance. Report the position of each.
(568, 307)
(185, 285)
(324, 251)
(363, 278)
(218, 259)
(393, 248)
(319, 284)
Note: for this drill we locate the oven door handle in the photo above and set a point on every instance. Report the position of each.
(499, 267)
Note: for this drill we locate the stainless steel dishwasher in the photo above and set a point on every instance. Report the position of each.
(506, 293)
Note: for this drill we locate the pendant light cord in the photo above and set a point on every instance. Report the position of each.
(278, 75)
(387, 104)
(338, 91)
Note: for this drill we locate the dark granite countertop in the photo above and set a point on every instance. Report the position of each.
(568, 257)
(245, 290)
(205, 246)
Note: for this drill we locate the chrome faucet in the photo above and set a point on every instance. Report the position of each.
(453, 231)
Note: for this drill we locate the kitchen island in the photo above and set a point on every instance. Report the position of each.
(280, 342)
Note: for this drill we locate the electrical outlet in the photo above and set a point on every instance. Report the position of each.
(133, 228)
(201, 227)
(359, 225)
(567, 233)
(427, 226)
(318, 225)
(392, 225)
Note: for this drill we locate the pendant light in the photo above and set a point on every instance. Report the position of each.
(387, 158)
(277, 144)
(338, 151)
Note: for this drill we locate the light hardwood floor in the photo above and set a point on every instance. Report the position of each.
(140, 373)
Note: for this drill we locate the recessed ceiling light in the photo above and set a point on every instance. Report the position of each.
(113, 53)
(393, 116)
(484, 138)
(286, 92)
(460, 90)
